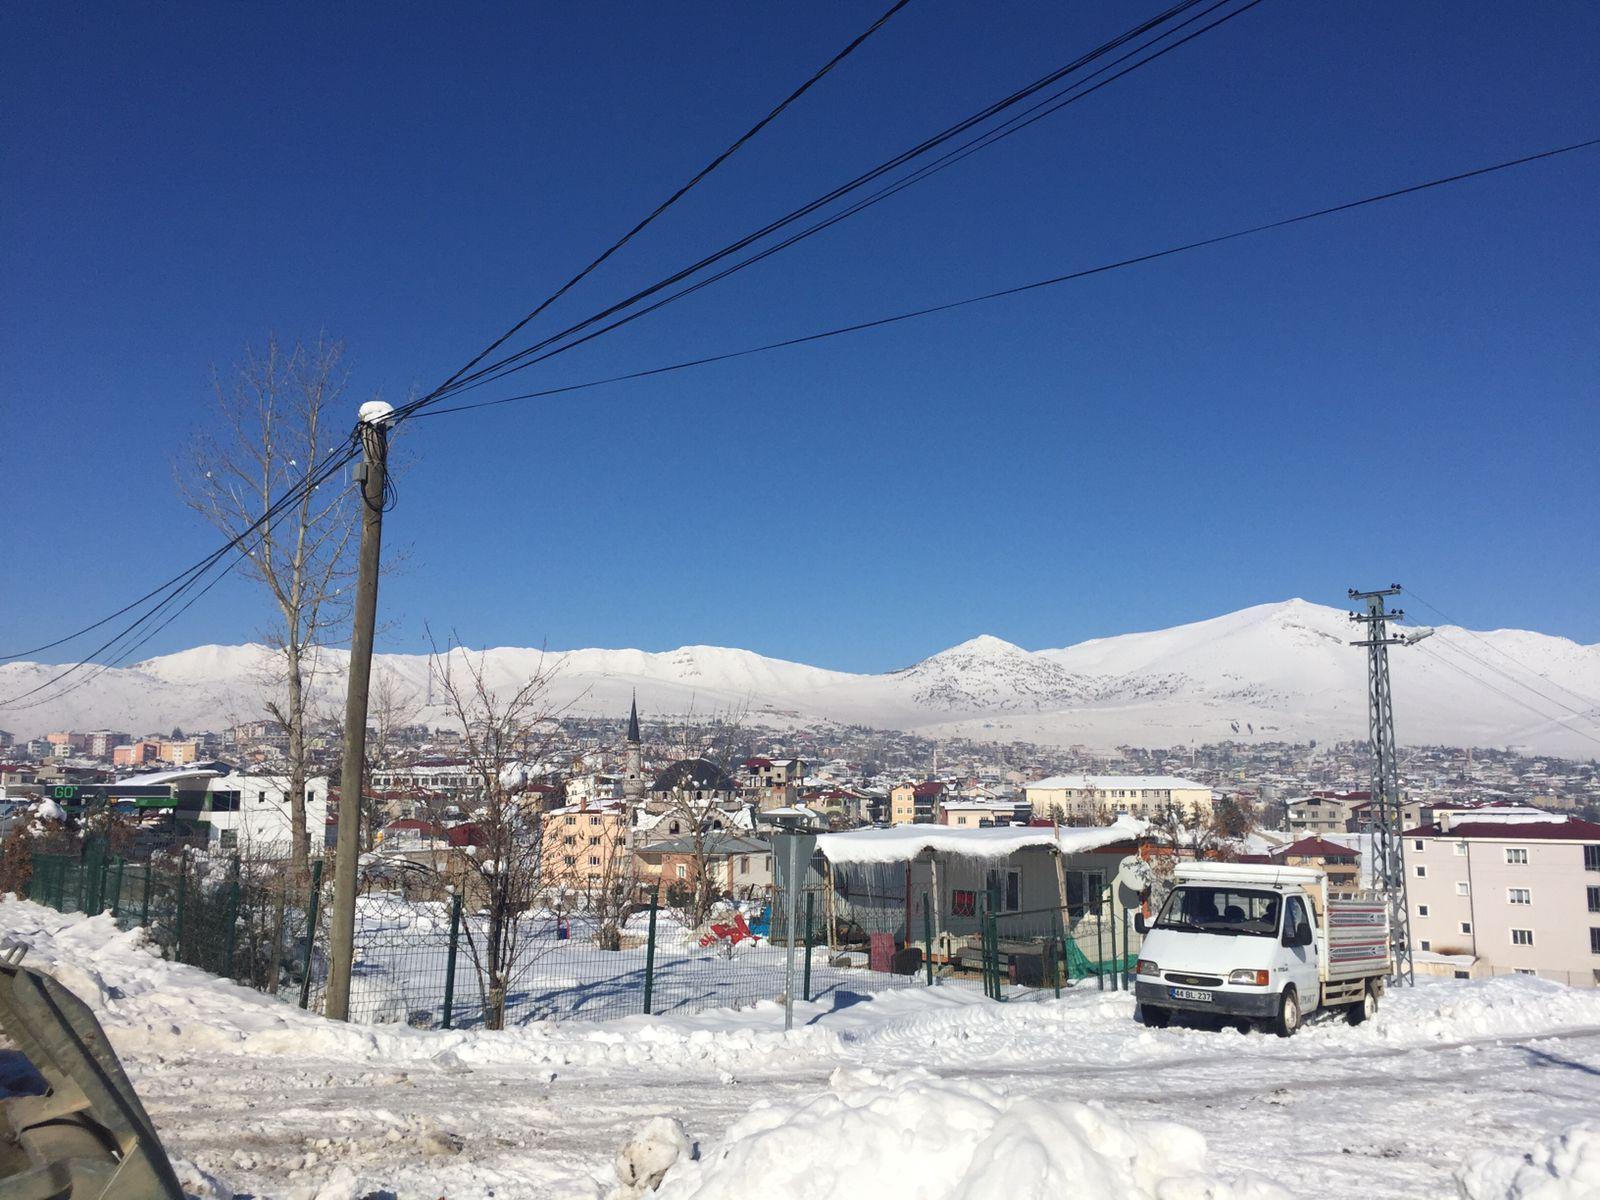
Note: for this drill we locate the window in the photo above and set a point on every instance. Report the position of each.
(1416, 843)
(1594, 899)
(1466, 927)
(683, 871)
(1526, 971)
(1425, 944)
(594, 860)
(1422, 910)
(1005, 888)
(1519, 896)
(1463, 974)
(1461, 849)
(1591, 858)
(594, 841)
(1422, 872)
(1594, 940)
(1463, 888)
(1516, 854)
(229, 838)
(569, 820)
(1522, 937)
(569, 860)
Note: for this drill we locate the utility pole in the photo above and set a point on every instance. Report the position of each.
(1389, 867)
(372, 475)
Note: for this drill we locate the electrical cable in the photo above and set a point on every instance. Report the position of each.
(1019, 289)
(805, 210)
(1043, 108)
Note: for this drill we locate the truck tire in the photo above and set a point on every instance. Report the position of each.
(1288, 1018)
(1364, 1008)
(1155, 1018)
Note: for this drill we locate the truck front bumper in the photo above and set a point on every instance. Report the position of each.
(1254, 1005)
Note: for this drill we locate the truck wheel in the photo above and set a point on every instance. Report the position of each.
(1288, 1013)
(1364, 1008)
(1155, 1018)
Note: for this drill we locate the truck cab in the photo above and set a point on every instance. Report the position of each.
(1261, 944)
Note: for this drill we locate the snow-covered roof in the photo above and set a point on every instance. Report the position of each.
(902, 843)
(1138, 783)
(181, 775)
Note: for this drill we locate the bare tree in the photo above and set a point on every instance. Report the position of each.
(393, 705)
(503, 733)
(277, 413)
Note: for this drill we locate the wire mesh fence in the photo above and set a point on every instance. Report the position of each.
(431, 953)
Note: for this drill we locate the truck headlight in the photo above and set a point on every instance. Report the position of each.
(1145, 967)
(1248, 975)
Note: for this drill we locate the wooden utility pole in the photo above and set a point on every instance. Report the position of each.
(372, 474)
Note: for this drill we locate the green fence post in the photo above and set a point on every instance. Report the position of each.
(116, 895)
(806, 989)
(1100, 951)
(927, 935)
(183, 876)
(1123, 964)
(650, 951)
(144, 909)
(232, 918)
(1058, 967)
(450, 959)
(1116, 979)
(311, 933)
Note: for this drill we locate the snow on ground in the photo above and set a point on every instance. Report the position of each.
(1479, 1089)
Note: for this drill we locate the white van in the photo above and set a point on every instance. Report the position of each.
(1248, 941)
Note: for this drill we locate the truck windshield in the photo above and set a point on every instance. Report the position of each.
(1220, 910)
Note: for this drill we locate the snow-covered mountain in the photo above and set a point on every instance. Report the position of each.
(1275, 671)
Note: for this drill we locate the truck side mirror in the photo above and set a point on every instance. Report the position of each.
(1140, 925)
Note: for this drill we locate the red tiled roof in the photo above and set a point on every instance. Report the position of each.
(1514, 831)
(466, 835)
(1310, 847)
(930, 788)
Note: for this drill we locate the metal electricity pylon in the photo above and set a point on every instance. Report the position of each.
(1389, 860)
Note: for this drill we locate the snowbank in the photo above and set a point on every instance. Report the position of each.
(917, 1136)
(901, 843)
(148, 1004)
(1563, 1167)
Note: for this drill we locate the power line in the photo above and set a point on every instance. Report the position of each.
(1051, 104)
(1517, 700)
(805, 210)
(1589, 700)
(1020, 289)
(185, 578)
(698, 176)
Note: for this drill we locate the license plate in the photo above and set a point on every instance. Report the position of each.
(1189, 994)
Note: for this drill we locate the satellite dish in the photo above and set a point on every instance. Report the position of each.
(1132, 881)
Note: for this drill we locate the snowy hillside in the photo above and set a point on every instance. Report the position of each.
(1271, 672)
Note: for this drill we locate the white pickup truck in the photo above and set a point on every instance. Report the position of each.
(1247, 941)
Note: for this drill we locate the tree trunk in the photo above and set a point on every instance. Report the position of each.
(299, 835)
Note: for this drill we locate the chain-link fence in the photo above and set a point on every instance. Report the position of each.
(427, 954)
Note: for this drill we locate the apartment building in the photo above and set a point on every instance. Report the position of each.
(915, 803)
(1068, 796)
(1327, 812)
(1508, 890)
(586, 846)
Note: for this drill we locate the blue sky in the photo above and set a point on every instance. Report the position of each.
(1408, 392)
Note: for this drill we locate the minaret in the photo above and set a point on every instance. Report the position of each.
(633, 777)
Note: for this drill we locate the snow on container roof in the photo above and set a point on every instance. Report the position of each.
(1137, 783)
(902, 843)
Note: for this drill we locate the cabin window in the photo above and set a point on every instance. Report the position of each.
(1004, 885)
